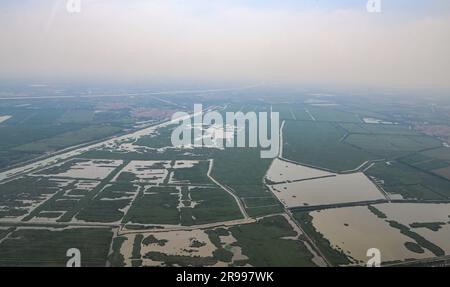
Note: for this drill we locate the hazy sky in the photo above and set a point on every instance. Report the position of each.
(305, 42)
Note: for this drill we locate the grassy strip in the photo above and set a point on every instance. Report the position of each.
(377, 212)
(434, 226)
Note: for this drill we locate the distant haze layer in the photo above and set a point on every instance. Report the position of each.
(313, 43)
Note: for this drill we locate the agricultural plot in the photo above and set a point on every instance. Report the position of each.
(41, 246)
(259, 200)
(151, 172)
(251, 169)
(425, 163)
(436, 161)
(328, 114)
(284, 171)
(26, 126)
(82, 168)
(332, 190)
(108, 205)
(376, 128)
(246, 178)
(441, 153)
(409, 182)
(157, 205)
(303, 114)
(320, 145)
(285, 112)
(277, 244)
(210, 205)
(292, 112)
(67, 139)
(443, 171)
(4, 231)
(20, 196)
(67, 201)
(190, 173)
(391, 146)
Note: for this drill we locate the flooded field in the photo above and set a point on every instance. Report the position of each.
(161, 172)
(146, 171)
(231, 244)
(329, 190)
(284, 171)
(439, 237)
(215, 135)
(86, 169)
(409, 213)
(165, 248)
(185, 163)
(354, 230)
(432, 221)
(181, 243)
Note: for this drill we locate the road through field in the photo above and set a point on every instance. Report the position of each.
(236, 198)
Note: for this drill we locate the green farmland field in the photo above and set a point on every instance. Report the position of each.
(411, 183)
(43, 247)
(319, 144)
